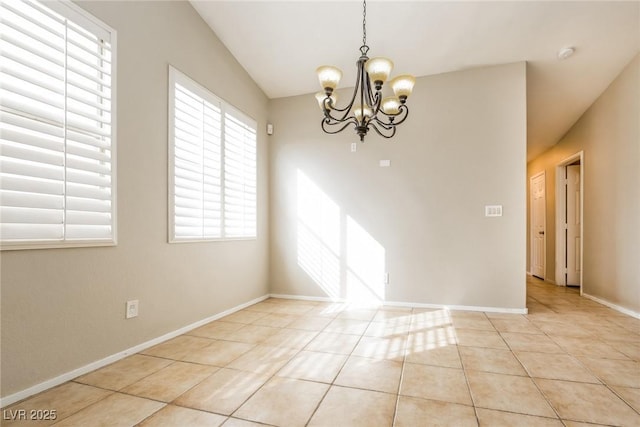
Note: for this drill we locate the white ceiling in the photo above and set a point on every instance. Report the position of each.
(280, 44)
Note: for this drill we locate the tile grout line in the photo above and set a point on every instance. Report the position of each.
(275, 373)
(404, 361)
(546, 399)
(575, 358)
(464, 370)
(332, 384)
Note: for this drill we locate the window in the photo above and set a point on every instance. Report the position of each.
(57, 130)
(212, 165)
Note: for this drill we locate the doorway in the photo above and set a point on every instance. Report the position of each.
(538, 224)
(569, 221)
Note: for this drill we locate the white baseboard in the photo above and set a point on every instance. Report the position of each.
(412, 305)
(12, 398)
(613, 306)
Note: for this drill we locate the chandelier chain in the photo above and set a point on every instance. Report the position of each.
(364, 23)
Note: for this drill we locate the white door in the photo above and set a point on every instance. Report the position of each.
(573, 226)
(537, 224)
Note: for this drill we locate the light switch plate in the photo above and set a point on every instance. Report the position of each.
(493, 210)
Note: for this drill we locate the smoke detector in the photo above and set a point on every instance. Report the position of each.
(566, 52)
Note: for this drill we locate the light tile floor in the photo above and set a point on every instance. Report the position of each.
(569, 362)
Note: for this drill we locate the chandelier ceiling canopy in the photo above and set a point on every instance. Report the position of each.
(367, 109)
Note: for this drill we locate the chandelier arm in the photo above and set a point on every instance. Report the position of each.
(366, 91)
(328, 106)
(394, 119)
(402, 109)
(376, 100)
(392, 129)
(347, 110)
(386, 126)
(362, 84)
(341, 110)
(334, 120)
(326, 123)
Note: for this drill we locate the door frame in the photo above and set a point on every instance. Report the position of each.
(561, 207)
(544, 224)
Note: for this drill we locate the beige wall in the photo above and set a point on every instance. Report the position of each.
(463, 147)
(64, 308)
(609, 135)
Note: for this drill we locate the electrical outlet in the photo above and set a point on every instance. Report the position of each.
(386, 278)
(354, 147)
(132, 309)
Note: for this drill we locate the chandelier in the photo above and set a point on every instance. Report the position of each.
(367, 108)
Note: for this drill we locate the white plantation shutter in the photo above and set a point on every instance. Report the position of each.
(197, 145)
(239, 177)
(57, 176)
(212, 170)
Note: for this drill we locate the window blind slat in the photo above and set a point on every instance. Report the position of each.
(21, 215)
(24, 152)
(79, 90)
(81, 50)
(31, 107)
(93, 64)
(21, 44)
(10, 121)
(89, 205)
(90, 140)
(88, 192)
(88, 153)
(52, 85)
(86, 165)
(38, 170)
(27, 138)
(188, 203)
(29, 232)
(88, 217)
(55, 71)
(80, 78)
(188, 184)
(26, 185)
(30, 200)
(88, 178)
(41, 16)
(80, 232)
(103, 105)
(89, 128)
(100, 119)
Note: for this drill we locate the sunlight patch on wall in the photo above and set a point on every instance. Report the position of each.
(337, 253)
(365, 265)
(318, 236)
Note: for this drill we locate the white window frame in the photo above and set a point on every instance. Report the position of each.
(74, 13)
(175, 76)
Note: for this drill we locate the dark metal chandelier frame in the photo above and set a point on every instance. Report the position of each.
(383, 115)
